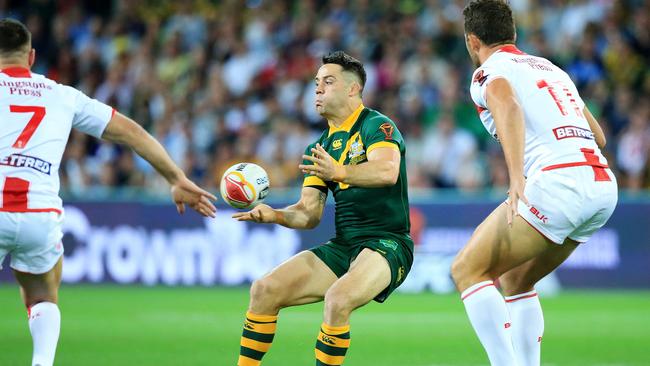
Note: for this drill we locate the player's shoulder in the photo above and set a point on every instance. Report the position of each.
(59, 88)
(374, 119)
(377, 124)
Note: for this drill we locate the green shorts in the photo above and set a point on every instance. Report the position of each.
(338, 256)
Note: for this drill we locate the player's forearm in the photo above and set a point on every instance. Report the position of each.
(296, 217)
(509, 120)
(370, 174)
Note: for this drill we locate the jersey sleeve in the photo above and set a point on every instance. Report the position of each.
(482, 77)
(90, 115)
(381, 132)
(309, 179)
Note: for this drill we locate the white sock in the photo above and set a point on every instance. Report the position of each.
(488, 314)
(44, 324)
(527, 327)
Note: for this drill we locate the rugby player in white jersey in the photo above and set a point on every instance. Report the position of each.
(561, 190)
(36, 115)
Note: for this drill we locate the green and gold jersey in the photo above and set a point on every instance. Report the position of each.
(365, 212)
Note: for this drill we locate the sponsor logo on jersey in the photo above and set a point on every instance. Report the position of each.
(566, 132)
(543, 218)
(25, 161)
(29, 88)
(480, 77)
(387, 129)
(537, 63)
(337, 144)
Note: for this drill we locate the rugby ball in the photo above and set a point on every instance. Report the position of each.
(244, 185)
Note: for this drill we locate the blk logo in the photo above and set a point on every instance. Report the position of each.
(539, 215)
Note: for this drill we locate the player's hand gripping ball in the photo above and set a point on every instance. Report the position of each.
(244, 185)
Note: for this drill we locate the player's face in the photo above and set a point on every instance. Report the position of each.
(331, 89)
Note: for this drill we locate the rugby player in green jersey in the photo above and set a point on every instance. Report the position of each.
(360, 158)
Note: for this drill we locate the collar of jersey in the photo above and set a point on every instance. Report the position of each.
(511, 48)
(348, 123)
(17, 72)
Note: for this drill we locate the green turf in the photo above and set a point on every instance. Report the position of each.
(109, 325)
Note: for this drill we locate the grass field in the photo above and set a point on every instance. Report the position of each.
(109, 325)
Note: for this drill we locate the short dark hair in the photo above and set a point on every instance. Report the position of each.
(13, 36)
(348, 63)
(491, 21)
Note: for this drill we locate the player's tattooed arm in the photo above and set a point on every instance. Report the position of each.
(322, 198)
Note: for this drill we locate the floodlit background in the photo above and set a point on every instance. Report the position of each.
(220, 82)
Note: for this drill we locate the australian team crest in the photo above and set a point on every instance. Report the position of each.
(357, 153)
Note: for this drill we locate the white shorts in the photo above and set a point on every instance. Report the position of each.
(568, 203)
(32, 239)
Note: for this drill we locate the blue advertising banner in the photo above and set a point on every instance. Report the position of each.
(149, 243)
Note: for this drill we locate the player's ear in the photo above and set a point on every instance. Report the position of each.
(355, 89)
(473, 42)
(31, 58)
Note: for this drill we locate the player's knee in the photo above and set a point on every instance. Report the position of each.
(458, 270)
(513, 285)
(265, 290)
(31, 299)
(338, 303)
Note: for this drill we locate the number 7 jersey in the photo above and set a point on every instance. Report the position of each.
(557, 132)
(36, 116)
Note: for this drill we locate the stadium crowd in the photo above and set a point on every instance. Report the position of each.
(228, 81)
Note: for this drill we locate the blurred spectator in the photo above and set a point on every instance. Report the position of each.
(634, 148)
(226, 81)
(448, 156)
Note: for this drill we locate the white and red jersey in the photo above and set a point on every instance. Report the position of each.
(36, 116)
(557, 132)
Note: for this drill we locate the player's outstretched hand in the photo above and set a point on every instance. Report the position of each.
(324, 166)
(186, 192)
(262, 213)
(515, 194)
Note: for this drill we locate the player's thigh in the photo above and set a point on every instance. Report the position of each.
(496, 247)
(368, 276)
(524, 277)
(301, 279)
(36, 288)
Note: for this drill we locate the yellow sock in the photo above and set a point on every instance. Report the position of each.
(331, 345)
(256, 338)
